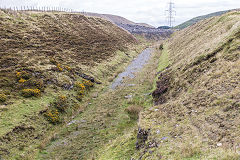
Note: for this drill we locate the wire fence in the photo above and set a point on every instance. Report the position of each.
(38, 9)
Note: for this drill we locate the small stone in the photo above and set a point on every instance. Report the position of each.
(158, 131)
(219, 144)
(128, 97)
(95, 95)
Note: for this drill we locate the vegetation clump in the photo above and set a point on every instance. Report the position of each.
(23, 75)
(3, 97)
(31, 93)
(133, 111)
(59, 67)
(61, 103)
(22, 80)
(53, 116)
(82, 88)
(88, 84)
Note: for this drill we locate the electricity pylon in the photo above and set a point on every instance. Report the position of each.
(170, 13)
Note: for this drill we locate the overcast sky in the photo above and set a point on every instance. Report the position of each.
(147, 11)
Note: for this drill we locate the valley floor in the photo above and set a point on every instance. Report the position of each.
(105, 130)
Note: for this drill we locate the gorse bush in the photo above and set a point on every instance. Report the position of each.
(80, 86)
(53, 116)
(61, 103)
(3, 97)
(88, 84)
(31, 93)
(22, 80)
(59, 67)
(23, 75)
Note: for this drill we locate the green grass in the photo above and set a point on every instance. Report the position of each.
(164, 62)
(107, 122)
(20, 110)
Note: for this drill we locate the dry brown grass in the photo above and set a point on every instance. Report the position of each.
(202, 101)
(29, 40)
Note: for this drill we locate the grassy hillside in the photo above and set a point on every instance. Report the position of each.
(196, 113)
(48, 65)
(199, 18)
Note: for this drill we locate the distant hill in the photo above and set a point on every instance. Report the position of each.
(116, 19)
(199, 18)
(142, 29)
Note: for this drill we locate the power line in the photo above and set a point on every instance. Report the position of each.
(171, 13)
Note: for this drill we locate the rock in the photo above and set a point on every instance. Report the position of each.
(129, 96)
(219, 144)
(95, 95)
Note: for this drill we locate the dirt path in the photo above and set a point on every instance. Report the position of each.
(105, 119)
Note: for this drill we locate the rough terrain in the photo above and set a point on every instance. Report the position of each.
(196, 113)
(44, 59)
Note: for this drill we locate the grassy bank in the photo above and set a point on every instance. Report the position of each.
(105, 124)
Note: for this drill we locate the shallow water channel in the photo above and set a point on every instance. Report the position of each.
(136, 65)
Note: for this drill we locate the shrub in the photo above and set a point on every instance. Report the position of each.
(61, 103)
(53, 116)
(88, 84)
(80, 86)
(31, 92)
(22, 80)
(68, 68)
(3, 97)
(81, 92)
(161, 47)
(59, 67)
(133, 111)
(23, 75)
(39, 84)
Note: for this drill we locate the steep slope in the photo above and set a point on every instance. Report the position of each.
(48, 64)
(196, 113)
(199, 18)
(30, 40)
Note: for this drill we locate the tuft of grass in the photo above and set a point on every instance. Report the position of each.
(134, 111)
